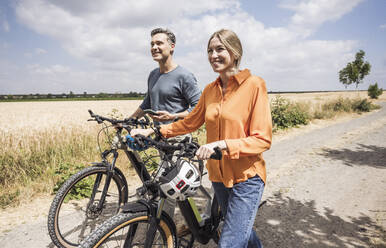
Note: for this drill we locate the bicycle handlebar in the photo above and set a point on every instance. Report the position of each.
(187, 148)
(127, 121)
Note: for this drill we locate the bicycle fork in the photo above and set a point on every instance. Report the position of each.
(98, 180)
(154, 215)
(155, 218)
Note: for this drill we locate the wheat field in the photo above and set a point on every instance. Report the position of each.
(31, 116)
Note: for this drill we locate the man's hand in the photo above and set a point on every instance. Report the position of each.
(163, 116)
(118, 125)
(144, 132)
(205, 151)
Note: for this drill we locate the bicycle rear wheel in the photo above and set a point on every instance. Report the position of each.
(130, 230)
(74, 213)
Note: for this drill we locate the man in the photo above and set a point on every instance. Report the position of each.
(172, 90)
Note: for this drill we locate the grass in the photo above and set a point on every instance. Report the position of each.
(29, 161)
(343, 105)
(33, 162)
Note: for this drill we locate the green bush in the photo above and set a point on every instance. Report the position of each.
(373, 91)
(286, 114)
(363, 105)
(64, 172)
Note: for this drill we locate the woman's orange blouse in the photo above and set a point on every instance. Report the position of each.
(241, 117)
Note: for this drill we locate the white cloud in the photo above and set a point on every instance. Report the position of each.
(283, 57)
(383, 26)
(310, 14)
(113, 38)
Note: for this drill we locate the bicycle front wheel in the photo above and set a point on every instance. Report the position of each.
(75, 211)
(130, 230)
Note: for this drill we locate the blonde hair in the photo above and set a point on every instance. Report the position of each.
(232, 43)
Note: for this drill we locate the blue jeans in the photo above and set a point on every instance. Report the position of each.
(239, 205)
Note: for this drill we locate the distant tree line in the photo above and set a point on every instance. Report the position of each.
(71, 94)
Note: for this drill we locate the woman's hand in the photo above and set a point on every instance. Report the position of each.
(163, 116)
(144, 132)
(205, 151)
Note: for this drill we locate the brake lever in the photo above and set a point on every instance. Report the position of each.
(217, 155)
(98, 120)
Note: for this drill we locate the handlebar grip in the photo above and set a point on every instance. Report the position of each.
(217, 155)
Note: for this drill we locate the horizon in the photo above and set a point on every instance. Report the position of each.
(49, 46)
(142, 93)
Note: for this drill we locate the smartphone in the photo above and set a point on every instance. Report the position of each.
(151, 112)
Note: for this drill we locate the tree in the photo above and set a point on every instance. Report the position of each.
(374, 91)
(355, 71)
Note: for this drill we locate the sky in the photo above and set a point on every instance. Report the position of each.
(93, 46)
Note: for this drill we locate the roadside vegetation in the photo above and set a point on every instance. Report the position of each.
(30, 163)
(287, 114)
(39, 162)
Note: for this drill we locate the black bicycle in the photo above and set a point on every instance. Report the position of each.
(103, 188)
(143, 223)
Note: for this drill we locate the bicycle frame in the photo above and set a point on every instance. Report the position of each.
(201, 228)
(135, 160)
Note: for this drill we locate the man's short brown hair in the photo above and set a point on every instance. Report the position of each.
(169, 34)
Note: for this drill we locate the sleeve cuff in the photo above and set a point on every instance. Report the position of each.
(233, 151)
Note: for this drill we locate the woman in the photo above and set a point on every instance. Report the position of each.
(236, 113)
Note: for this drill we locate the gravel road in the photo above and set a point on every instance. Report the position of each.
(326, 188)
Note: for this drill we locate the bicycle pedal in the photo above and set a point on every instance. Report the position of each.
(184, 243)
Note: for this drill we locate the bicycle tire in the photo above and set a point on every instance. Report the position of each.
(113, 231)
(63, 230)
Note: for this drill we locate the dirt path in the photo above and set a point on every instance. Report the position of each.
(326, 188)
